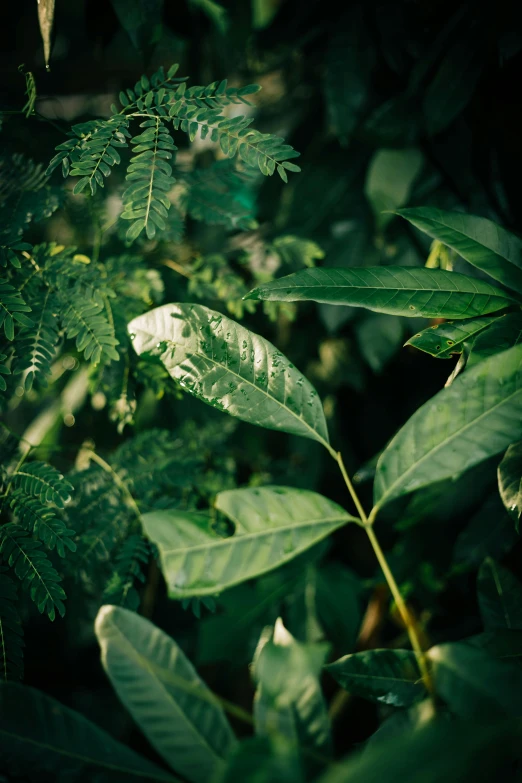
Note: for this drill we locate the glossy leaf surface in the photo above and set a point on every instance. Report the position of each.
(231, 368)
(432, 293)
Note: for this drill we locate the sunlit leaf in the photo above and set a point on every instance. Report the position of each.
(161, 689)
(272, 526)
(230, 368)
(476, 417)
(432, 293)
(483, 243)
(388, 676)
(40, 737)
(45, 19)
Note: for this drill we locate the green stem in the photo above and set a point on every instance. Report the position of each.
(407, 618)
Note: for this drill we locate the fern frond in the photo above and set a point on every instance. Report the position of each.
(259, 150)
(83, 317)
(70, 152)
(150, 178)
(40, 520)
(129, 563)
(25, 195)
(32, 567)
(99, 154)
(36, 346)
(42, 481)
(9, 251)
(11, 634)
(12, 308)
(160, 85)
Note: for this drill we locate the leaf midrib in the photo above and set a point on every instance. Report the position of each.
(144, 663)
(454, 435)
(269, 531)
(189, 354)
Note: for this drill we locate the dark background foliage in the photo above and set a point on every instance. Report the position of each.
(340, 82)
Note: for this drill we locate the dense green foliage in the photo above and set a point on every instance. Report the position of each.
(317, 574)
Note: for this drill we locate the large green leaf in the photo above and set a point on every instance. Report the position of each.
(499, 597)
(443, 340)
(483, 243)
(272, 526)
(432, 293)
(388, 676)
(510, 480)
(472, 682)
(389, 180)
(289, 701)
(476, 417)
(164, 694)
(39, 737)
(448, 751)
(231, 368)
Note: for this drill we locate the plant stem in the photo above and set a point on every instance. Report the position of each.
(407, 618)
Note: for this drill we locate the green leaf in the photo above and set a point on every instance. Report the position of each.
(473, 683)
(481, 242)
(230, 368)
(180, 717)
(389, 181)
(39, 736)
(510, 480)
(442, 750)
(432, 293)
(476, 417)
(503, 333)
(499, 597)
(388, 676)
(443, 340)
(272, 526)
(289, 701)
